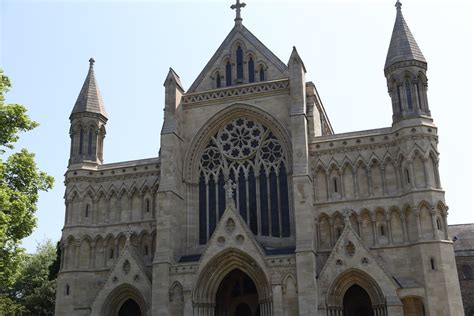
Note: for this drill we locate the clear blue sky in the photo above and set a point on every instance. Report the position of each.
(45, 47)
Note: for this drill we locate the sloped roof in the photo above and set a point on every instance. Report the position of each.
(239, 29)
(89, 99)
(403, 46)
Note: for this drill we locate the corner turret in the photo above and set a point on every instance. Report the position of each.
(405, 70)
(88, 119)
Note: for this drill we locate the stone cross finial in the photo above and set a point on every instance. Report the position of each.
(347, 215)
(91, 62)
(128, 234)
(398, 5)
(237, 6)
(229, 192)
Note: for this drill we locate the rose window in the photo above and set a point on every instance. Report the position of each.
(240, 138)
(249, 154)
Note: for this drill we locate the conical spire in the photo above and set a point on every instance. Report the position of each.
(89, 99)
(403, 46)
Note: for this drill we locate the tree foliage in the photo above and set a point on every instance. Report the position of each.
(33, 293)
(20, 183)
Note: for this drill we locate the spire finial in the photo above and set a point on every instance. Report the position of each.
(229, 187)
(398, 5)
(91, 62)
(237, 6)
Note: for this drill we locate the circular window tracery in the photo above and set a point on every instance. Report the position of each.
(240, 138)
(249, 154)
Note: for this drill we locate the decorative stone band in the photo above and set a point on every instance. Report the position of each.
(237, 91)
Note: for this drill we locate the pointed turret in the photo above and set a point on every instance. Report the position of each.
(88, 119)
(89, 99)
(173, 92)
(405, 70)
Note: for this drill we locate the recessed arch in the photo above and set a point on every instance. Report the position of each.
(121, 295)
(212, 274)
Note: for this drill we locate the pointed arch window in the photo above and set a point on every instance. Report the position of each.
(251, 70)
(218, 80)
(409, 95)
(89, 142)
(81, 141)
(262, 73)
(228, 74)
(251, 156)
(240, 64)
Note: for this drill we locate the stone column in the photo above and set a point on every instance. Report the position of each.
(331, 232)
(369, 180)
(328, 185)
(374, 229)
(425, 170)
(397, 176)
(411, 172)
(418, 224)
(77, 245)
(106, 257)
(359, 222)
(388, 221)
(384, 185)
(318, 235)
(433, 224)
(403, 217)
(92, 255)
(445, 224)
(341, 182)
(356, 185)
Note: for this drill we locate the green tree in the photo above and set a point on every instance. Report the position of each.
(20, 183)
(32, 290)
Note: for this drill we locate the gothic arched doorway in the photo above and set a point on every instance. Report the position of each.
(129, 308)
(357, 302)
(237, 295)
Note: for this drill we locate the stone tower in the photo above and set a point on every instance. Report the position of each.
(88, 119)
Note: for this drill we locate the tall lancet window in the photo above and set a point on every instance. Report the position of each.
(81, 141)
(262, 73)
(240, 65)
(228, 74)
(89, 142)
(248, 153)
(218, 80)
(409, 95)
(251, 70)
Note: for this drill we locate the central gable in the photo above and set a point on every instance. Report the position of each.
(244, 57)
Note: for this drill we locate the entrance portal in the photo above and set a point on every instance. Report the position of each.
(129, 308)
(357, 302)
(237, 296)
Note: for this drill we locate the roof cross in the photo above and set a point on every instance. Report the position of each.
(237, 6)
(229, 187)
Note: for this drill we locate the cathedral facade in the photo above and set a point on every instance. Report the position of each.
(255, 206)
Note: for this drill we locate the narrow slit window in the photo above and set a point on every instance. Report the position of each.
(251, 70)
(432, 263)
(89, 142)
(81, 141)
(87, 211)
(228, 74)
(334, 180)
(408, 93)
(407, 174)
(218, 80)
(382, 230)
(262, 73)
(147, 205)
(146, 250)
(111, 253)
(67, 289)
(339, 232)
(438, 223)
(240, 64)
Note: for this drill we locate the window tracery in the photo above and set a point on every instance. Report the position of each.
(248, 153)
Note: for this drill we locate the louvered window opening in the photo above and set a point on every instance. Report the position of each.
(252, 157)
